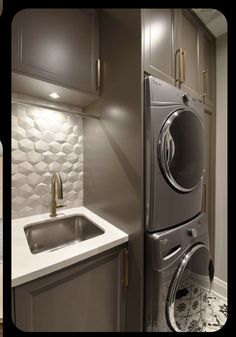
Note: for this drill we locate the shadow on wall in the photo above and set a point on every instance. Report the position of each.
(126, 164)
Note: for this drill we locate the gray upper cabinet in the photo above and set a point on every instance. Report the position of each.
(188, 42)
(87, 296)
(178, 49)
(207, 70)
(170, 41)
(60, 46)
(158, 43)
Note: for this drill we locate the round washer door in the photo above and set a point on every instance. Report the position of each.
(187, 297)
(180, 150)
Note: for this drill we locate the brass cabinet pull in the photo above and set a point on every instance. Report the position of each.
(204, 198)
(180, 75)
(98, 63)
(183, 65)
(204, 75)
(178, 66)
(126, 269)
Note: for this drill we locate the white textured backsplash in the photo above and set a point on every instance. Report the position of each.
(44, 141)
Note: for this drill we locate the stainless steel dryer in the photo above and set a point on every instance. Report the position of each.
(178, 276)
(174, 155)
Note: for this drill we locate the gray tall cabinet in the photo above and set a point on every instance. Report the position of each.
(207, 65)
(159, 40)
(180, 51)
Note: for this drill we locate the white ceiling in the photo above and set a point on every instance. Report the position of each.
(213, 19)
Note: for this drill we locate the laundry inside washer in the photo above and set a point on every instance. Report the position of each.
(181, 293)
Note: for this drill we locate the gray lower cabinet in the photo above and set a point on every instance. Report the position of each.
(87, 296)
(60, 46)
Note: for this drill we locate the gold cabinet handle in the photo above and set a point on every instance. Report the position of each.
(178, 66)
(204, 76)
(126, 269)
(204, 198)
(98, 63)
(183, 65)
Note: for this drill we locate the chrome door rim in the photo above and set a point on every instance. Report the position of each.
(161, 153)
(170, 304)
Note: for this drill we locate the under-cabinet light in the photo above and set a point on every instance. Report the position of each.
(54, 95)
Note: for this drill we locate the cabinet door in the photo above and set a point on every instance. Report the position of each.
(158, 46)
(57, 45)
(207, 81)
(89, 296)
(188, 29)
(209, 177)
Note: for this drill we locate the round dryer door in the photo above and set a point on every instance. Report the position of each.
(187, 298)
(181, 150)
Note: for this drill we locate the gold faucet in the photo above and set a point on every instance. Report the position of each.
(56, 184)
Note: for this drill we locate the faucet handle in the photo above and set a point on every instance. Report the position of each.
(59, 205)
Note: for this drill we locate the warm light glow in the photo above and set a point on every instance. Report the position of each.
(158, 31)
(54, 95)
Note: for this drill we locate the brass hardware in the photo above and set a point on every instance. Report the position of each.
(126, 268)
(183, 68)
(56, 182)
(204, 74)
(98, 73)
(204, 198)
(178, 78)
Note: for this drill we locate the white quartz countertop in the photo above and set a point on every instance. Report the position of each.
(27, 266)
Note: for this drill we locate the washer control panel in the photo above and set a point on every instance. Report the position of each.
(185, 98)
(168, 245)
(192, 232)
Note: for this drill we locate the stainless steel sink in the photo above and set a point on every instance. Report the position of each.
(60, 232)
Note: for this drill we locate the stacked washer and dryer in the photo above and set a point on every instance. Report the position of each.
(178, 266)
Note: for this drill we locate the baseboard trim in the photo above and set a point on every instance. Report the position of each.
(219, 287)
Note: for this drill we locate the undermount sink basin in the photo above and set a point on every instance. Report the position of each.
(60, 232)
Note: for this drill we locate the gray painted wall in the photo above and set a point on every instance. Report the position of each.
(113, 144)
(221, 221)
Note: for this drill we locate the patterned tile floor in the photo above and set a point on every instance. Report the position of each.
(216, 313)
(197, 310)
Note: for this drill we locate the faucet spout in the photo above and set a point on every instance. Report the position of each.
(56, 186)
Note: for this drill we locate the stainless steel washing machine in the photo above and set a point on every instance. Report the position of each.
(174, 155)
(178, 277)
